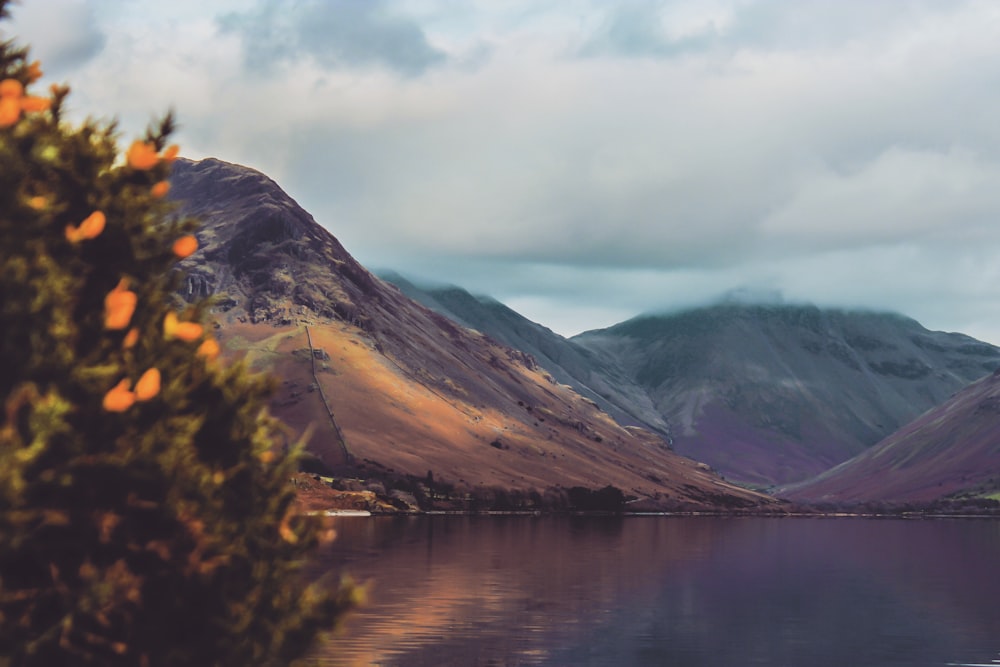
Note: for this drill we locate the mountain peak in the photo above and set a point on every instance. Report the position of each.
(262, 251)
(752, 296)
(392, 388)
(777, 393)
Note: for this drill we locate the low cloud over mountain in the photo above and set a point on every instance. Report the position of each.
(391, 386)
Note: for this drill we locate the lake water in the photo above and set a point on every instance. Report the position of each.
(678, 591)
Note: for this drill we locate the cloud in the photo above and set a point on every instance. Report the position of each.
(829, 24)
(641, 28)
(335, 33)
(902, 196)
(845, 153)
(63, 34)
(674, 28)
(685, 163)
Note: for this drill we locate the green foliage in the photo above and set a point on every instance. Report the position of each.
(151, 526)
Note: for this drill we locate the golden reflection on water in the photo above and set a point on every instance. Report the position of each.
(498, 591)
(434, 578)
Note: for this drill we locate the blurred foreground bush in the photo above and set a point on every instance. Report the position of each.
(145, 514)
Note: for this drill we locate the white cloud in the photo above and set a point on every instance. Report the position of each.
(901, 196)
(63, 33)
(333, 33)
(842, 152)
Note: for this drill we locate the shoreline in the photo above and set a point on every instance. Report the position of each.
(909, 515)
(315, 496)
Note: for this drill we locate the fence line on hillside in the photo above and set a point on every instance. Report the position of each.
(348, 457)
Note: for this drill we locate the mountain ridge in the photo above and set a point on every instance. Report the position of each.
(411, 392)
(952, 448)
(750, 376)
(569, 363)
(768, 394)
(811, 386)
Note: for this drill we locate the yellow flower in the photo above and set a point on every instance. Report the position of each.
(186, 331)
(90, 228)
(13, 102)
(131, 338)
(31, 104)
(10, 111)
(119, 305)
(185, 246)
(161, 189)
(34, 71)
(148, 385)
(11, 88)
(208, 349)
(142, 155)
(119, 398)
(38, 202)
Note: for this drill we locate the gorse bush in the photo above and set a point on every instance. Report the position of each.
(145, 512)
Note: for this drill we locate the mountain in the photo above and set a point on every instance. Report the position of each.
(774, 393)
(390, 386)
(590, 374)
(952, 448)
(764, 391)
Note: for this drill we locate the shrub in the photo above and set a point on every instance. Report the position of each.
(145, 512)
(608, 499)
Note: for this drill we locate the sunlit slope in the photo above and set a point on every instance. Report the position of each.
(410, 391)
(952, 448)
(538, 435)
(592, 375)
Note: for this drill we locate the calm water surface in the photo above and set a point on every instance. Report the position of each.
(465, 591)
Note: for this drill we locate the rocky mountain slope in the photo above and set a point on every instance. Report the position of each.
(953, 448)
(391, 386)
(767, 393)
(590, 374)
(777, 393)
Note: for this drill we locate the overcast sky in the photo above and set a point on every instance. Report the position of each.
(584, 161)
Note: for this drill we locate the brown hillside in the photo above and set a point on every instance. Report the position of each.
(950, 450)
(410, 391)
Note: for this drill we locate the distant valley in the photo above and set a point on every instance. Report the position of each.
(952, 450)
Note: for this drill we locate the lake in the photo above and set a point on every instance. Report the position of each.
(679, 591)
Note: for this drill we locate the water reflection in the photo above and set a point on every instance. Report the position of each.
(669, 591)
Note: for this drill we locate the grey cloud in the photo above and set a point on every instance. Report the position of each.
(822, 24)
(634, 29)
(63, 34)
(642, 28)
(901, 197)
(847, 157)
(336, 33)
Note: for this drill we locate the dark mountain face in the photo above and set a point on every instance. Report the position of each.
(774, 394)
(952, 448)
(765, 394)
(390, 385)
(261, 253)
